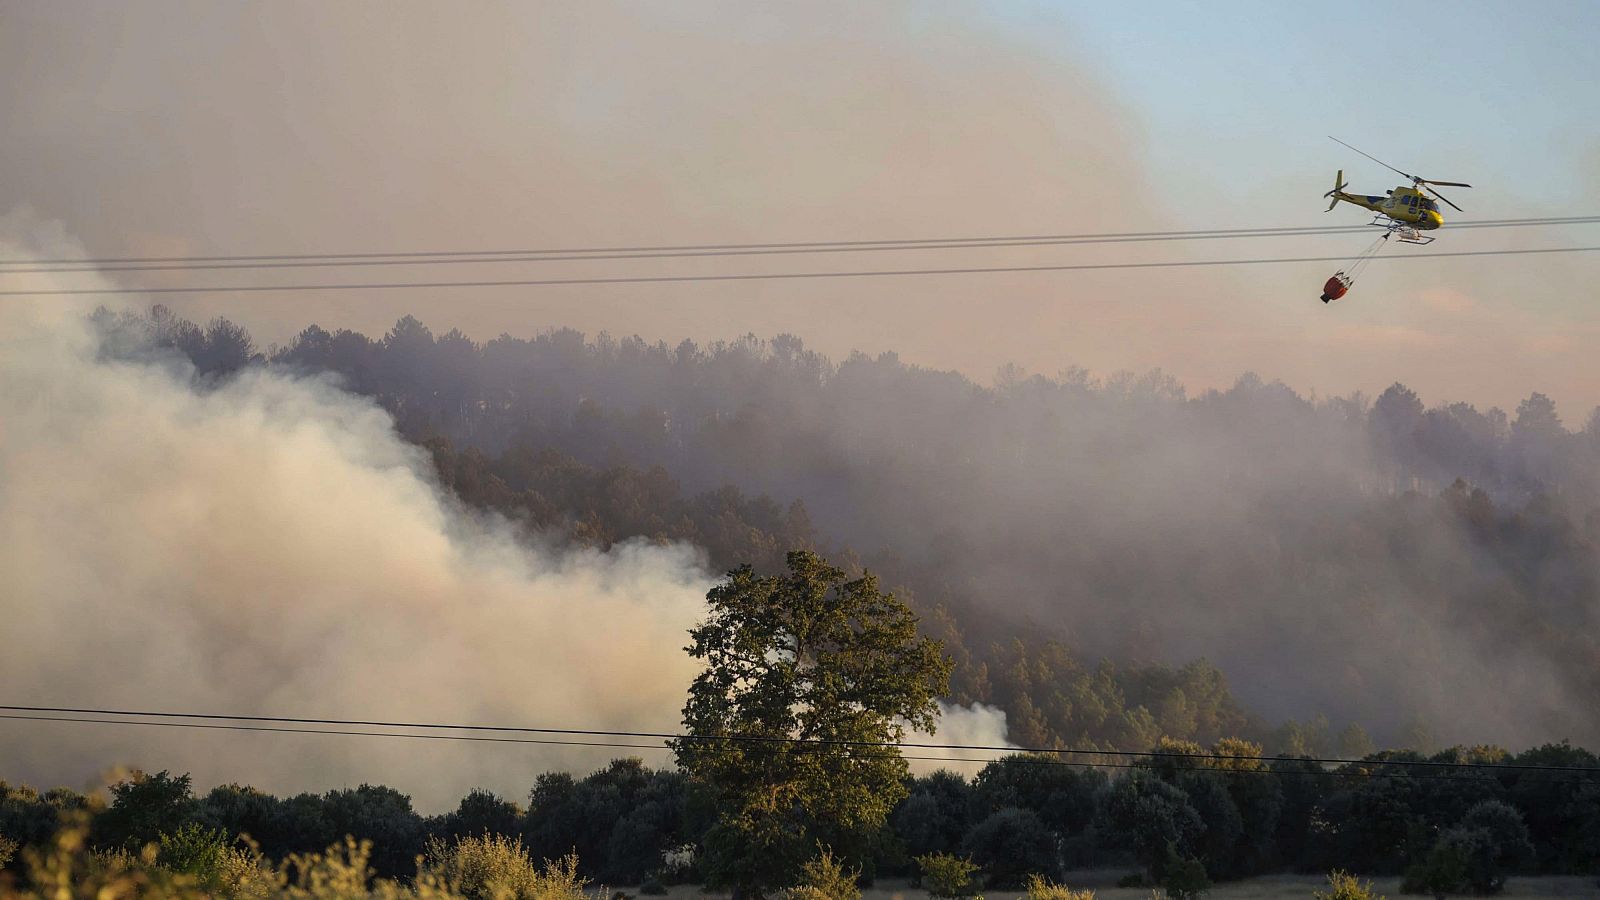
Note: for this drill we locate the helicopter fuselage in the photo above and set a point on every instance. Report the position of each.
(1403, 204)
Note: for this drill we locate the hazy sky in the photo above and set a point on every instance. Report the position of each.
(215, 127)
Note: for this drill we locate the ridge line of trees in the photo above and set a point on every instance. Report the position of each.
(629, 823)
(1177, 535)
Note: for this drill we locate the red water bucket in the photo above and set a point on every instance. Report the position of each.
(1336, 287)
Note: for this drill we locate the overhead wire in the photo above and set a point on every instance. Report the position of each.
(292, 725)
(750, 276)
(438, 257)
(1014, 757)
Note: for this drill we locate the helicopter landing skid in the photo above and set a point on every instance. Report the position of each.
(1402, 232)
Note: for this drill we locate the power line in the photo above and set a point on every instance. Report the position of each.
(448, 257)
(775, 276)
(773, 739)
(853, 751)
(891, 243)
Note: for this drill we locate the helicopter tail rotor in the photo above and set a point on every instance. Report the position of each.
(1339, 184)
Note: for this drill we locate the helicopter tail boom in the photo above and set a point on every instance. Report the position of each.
(1338, 188)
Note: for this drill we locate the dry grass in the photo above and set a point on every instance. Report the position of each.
(471, 869)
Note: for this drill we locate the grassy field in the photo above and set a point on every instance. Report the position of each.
(1103, 883)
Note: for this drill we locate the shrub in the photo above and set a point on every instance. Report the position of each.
(1011, 844)
(383, 816)
(948, 876)
(652, 886)
(1148, 815)
(494, 867)
(1041, 888)
(1345, 886)
(198, 852)
(1513, 849)
(1463, 860)
(823, 878)
(70, 867)
(8, 849)
(481, 812)
(1218, 843)
(344, 870)
(29, 818)
(1474, 855)
(1183, 877)
(1441, 873)
(144, 807)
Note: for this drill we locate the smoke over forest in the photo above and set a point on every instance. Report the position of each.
(266, 543)
(1372, 560)
(519, 531)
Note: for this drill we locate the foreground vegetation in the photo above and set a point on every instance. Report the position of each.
(196, 863)
(1019, 817)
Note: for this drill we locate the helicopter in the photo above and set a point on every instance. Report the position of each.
(1406, 211)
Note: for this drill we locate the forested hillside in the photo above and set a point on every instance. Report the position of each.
(1082, 545)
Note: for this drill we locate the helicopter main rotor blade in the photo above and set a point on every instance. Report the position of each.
(1447, 183)
(1443, 197)
(1373, 158)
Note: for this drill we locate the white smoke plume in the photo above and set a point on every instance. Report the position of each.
(270, 546)
(978, 725)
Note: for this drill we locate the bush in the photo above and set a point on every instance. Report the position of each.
(470, 869)
(1183, 877)
(493, 867)
(481, 812)
(652, 886)
(1218, 843)
(198, 852)
(143, 808)
(1464, 860)
(1444, 871)
(1010, 845)
(948, 876)
(8, 849)
(29, 818)
(383, 816)
(1041, 888)
(1148, 816)
(1512, 847)
(823, 878)
(69, 866)
(1345, 886)
(1473, 856)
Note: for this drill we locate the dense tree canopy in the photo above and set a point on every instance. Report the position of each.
(814, 657)
(1238, 815)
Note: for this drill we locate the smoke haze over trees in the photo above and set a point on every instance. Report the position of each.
(1416, 569)
(241, 538)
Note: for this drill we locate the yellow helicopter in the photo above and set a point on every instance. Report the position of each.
(1406, 211)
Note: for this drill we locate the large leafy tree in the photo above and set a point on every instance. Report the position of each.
(805, 673)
